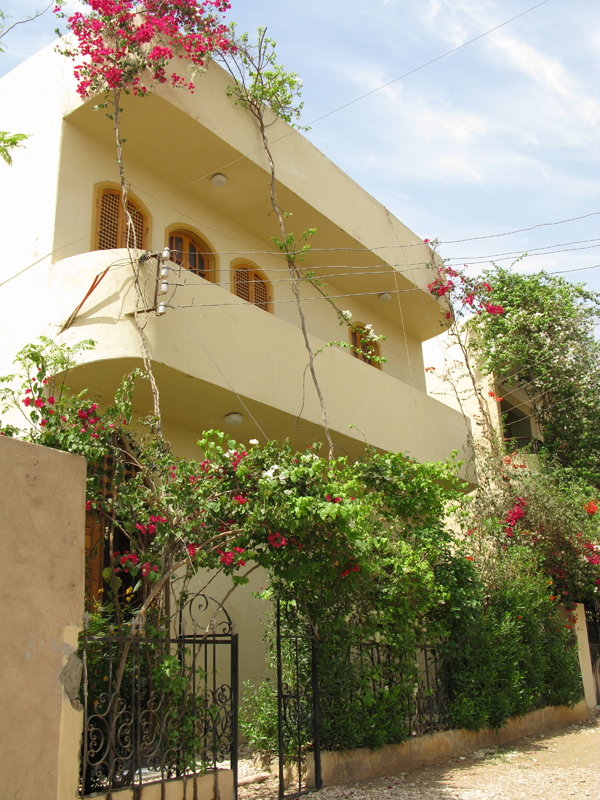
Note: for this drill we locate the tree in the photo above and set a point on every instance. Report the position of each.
(544, 343)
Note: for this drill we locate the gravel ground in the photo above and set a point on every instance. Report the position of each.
(563, 764)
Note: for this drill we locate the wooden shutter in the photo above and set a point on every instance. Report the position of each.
(94, 556)
(261, 297)
(242, 283)
(108, 221)
(112, 223)
(249, 286)
(139, 225)
(361, 348)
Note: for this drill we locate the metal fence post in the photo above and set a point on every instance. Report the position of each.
(280, 701)
(234, 712)
(316, 716)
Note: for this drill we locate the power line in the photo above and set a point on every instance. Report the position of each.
(285, 302)
(221, 373)
(428, 63)
(339, 108)
(576, 269)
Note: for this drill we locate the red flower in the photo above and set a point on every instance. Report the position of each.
(27, 401)
(51, 400)
(38, 402)
(226, 559)
(277, 540)
(591, 507)
(192, 550)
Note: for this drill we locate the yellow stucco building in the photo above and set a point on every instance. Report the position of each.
(229, 341)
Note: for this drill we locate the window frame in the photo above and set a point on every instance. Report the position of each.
(100, 189)
(355, 331)
(257, 274)
(204, 247)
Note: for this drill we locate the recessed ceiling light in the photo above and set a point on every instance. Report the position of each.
(218, 179)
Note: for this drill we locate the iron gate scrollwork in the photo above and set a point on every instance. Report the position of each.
(160, 708)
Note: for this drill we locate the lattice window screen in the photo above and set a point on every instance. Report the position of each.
(361, 345)
(138, 224)
(108, 228)
(261, 298)
(242, 283)
(251, 287)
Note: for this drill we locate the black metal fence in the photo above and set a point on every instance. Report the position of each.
(298, 709)
(316, 696)
(161, 708)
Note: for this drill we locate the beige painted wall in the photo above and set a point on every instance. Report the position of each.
(42, 497)
(231, 343)
(174, 139)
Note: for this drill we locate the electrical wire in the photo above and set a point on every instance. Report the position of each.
(220, 371)
(333, 111)
(428, 63)
(575, 269)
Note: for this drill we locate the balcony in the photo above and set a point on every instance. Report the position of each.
(214, 343)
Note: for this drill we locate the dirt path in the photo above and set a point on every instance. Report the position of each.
(564, 764)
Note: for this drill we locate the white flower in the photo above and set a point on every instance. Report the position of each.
(253, 441)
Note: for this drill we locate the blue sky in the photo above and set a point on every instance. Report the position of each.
(501, 135)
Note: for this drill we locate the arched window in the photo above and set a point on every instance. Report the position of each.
(251, 285)
(190, 252)
(364, 348)
(111, 222)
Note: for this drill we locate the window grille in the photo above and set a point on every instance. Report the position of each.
(363, 348)
(112, 229)
(96, 549)
(250, 285)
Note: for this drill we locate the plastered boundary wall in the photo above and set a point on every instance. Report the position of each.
(42, 531)
(345, 767)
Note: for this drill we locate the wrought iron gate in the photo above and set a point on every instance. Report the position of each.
(161, 708)
(298, 708)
